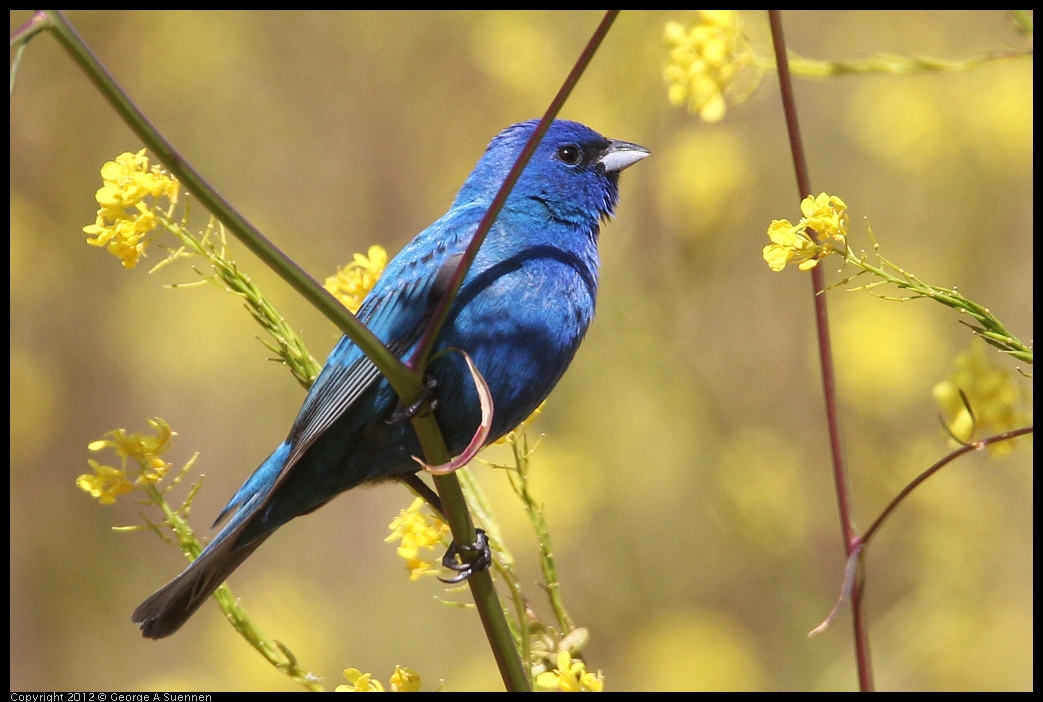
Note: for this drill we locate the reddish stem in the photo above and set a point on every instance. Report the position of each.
(829, 385)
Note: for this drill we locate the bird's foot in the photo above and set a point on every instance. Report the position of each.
(482, 559)
(401, 415)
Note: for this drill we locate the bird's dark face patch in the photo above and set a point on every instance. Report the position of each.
(583, 155)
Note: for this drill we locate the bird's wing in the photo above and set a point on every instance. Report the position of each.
(397, 311)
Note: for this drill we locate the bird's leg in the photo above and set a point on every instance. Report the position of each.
(421, 488)
(401, 415)
(482, 558)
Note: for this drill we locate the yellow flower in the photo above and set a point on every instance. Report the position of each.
(825, 218)
(417, 531)
(827, 215)
(789, 245)
(106, 484)
(145, 450)
(353, 282)
(570, 676)
(405, 680)
(705, 61)
(124, 219)
(359, 682)
(992, 393)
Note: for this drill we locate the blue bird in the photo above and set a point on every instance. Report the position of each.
(520, 314)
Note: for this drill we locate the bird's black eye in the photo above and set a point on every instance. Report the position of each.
(569, 154)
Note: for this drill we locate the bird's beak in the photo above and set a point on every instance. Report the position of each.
(620, 155)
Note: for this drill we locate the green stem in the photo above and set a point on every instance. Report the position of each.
(288, 344)
(522, 633)
(405, 382)
(1022, 21)
(278, 655)
(991, 330)
(520, 447)
(503, 561)
(33, 26)
(890, 64)
(485, 599)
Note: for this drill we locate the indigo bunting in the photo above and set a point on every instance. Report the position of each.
(520, 314)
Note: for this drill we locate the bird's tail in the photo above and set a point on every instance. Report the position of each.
(169, 607)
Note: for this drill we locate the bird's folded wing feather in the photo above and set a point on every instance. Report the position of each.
(397, 311)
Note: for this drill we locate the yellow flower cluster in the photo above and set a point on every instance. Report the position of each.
(124, 219)
(705, 60)
(826, 218)
(993, 395)
(402, 680)
(417, 531)
(353, 282)
(570, 676)
(108, 483)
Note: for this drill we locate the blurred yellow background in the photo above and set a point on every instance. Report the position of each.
(685, 465)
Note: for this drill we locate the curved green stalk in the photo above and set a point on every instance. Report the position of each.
(890, 64)
(405, 382)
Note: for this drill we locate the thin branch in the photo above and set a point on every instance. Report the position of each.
(966, 448)
(840, 477)
(851, 569)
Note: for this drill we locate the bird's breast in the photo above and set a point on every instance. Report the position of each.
(521, 321)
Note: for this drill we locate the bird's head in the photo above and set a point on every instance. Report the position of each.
(573, 176)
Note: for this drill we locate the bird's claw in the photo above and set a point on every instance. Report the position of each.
(401, 415)
(483, 558)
